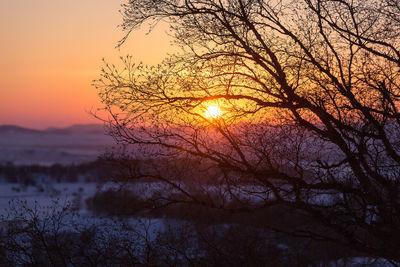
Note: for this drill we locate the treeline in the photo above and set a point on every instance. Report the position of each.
(108, 168)
(99, 170)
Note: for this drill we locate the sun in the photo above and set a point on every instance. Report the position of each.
(213, 112)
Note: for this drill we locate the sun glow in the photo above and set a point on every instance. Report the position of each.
(213, 112)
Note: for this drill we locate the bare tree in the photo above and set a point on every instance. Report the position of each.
(308, 93)
(35, 235)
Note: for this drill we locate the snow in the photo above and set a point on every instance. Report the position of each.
(49, 147)
(362, 261)
(65, 192)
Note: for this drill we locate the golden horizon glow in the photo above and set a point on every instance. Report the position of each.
(213, 112)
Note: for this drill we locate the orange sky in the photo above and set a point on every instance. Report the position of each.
(50, 51)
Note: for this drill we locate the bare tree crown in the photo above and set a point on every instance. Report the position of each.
(309, 94)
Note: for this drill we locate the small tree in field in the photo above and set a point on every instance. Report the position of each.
(278, 102)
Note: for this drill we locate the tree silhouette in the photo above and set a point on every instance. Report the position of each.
(309, 97)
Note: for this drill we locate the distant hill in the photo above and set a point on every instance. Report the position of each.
(74, 144)
(78, 128)
(74, 129)
(17, 129)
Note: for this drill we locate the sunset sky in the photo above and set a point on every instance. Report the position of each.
(50, 52)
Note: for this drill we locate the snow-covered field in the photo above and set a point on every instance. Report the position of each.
(76, 144)
(45, 195)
